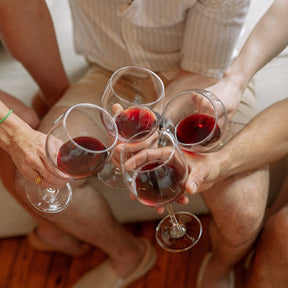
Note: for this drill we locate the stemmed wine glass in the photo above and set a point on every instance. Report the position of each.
(156, 176)
(198, 120)
(78, 145)
(134, 96)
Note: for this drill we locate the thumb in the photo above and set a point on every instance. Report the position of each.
(193, 183)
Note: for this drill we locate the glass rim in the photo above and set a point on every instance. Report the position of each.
(203, 93)
(96, 107)
(110, 83)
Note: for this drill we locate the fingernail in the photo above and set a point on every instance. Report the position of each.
(193, 187)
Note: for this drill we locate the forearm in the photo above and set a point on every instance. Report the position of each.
(9, 125)
(268, 39)
(27, 30)
(263, 141)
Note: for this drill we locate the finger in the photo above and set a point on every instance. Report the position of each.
(117, 108)
(160, 210)
(54, 179)
(192, 183)
(147, 155)
(50, 174)
(150, 142)
(184, 200)
(40, 179)
(132, 196)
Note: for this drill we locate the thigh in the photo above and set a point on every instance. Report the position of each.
(88, 90)
(238, 203)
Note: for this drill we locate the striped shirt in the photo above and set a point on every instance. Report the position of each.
(161, 35)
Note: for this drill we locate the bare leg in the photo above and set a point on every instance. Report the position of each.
(53, 237)
(237, 207)
(88, 218)
(269, 268)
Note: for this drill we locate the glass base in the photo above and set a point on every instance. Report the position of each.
(112, 177)
(49, 200)
(190, 226)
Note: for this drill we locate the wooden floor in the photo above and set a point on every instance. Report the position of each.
(23, 267)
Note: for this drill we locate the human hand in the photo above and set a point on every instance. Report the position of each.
(133, 148)
(27, 150)
(162, 168)
(203, 171)
(229, 94)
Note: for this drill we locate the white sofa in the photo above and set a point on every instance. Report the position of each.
(270, 83)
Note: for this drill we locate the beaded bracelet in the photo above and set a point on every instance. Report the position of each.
(6, 116)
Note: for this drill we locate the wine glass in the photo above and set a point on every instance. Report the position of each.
(198, 120)
(134, 96)
(78, 145)
(156, 176)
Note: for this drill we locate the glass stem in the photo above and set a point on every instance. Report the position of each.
(177, 231)
(51, 194)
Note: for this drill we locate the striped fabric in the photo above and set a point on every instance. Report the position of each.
(161, 35)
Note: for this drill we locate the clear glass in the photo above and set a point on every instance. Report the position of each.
(77, 146)
(198, 120)
(134, 97)
(156, 172)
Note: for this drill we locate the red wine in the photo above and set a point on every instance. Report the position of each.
(195, 128)
(132, 121)
(79, 163)
(158, 187)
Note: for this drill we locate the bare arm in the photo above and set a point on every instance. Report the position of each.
(268, 39)
(28, 33)
(263, 141)
(25, 145)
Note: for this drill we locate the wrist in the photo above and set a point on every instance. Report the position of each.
(9, 130)
(236, 80)
(222, 163)
(6, 116)
(238, 75)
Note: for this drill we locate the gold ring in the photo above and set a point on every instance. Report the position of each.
(38, 179)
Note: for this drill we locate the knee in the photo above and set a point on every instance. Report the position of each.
(247, 211)
(241, 224)
(276, 229)
(32, 119)
(250, 222)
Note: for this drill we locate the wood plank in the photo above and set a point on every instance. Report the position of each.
(8, 253)
(82, 264)
(23, 267)
(39, 268)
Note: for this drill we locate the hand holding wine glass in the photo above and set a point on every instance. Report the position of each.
(156, 176)
(134, 97)
(198, 121)
(77, 146)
